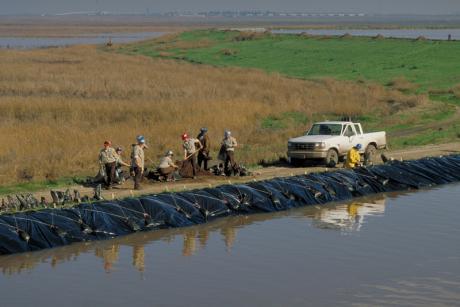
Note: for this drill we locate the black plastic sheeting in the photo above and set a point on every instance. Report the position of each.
(35, 230)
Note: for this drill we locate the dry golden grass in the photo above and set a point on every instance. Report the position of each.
(57, 106)
(456, 91)
(402, 84)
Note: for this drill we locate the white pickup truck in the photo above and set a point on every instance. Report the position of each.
(331, 140)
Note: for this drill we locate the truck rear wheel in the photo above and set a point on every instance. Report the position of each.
(332, 158)
(370, 154)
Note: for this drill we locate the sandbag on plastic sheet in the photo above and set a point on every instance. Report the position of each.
(298, 192)
(328, 188)
(69, 229)
(29, 231)
(183, 206)
(453, 162)
(421, 179)
(74, 214)
(108, 219)
(348, 184)
(279, 200)
(425, 174)
(209, 205)
(231, 200)
(396, 179)
(37, 234)
(450, 166)
(163, 214)
(11, 241)
(431, 169)
(377, 183)
(250, 200)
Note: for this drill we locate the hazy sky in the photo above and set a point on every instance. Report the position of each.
(140, 6)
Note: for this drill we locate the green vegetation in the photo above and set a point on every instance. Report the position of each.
(429, 137)
(33, 186)
(429, 64)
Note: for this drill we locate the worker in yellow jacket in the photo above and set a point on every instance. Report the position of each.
(353, 157)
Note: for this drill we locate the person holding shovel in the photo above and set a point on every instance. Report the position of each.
(190, 150)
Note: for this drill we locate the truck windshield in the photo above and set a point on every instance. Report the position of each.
(325, 129)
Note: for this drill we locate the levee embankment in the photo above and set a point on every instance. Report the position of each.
(49, 228)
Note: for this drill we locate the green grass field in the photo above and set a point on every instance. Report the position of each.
(429, 64)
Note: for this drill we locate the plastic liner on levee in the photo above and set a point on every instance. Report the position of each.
(35, 230)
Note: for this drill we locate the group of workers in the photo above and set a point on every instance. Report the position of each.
(196, 151)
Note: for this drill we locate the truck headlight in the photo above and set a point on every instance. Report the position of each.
(290, 145)
(320, 145)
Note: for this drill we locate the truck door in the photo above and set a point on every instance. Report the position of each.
(359, 135)
(350, 133)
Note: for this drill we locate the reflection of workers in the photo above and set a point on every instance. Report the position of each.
(189, 247)
(203, 153)
(203, 236)
(108, 159)
(109, 254)
(229, 143)
(139, 257)
(190, 150)
(229, 234)
(137, 161)
(167, 166)
(353, 157)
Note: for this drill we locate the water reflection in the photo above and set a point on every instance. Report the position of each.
(346, 217)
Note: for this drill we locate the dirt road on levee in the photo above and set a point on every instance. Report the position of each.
(150, 187)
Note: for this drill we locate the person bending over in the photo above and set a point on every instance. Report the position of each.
(167, 166)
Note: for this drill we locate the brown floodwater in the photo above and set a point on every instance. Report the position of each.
(391, 249)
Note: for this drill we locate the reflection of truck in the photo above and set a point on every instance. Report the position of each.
(348, 217)
(330, 141)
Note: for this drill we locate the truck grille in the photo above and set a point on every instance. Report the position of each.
(303, 146)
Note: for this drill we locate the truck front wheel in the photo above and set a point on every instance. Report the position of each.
(332, 158)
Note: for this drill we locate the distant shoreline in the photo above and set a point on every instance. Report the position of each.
(76, 25)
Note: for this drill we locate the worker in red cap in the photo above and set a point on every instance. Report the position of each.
(108, 159)
(190, 150)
